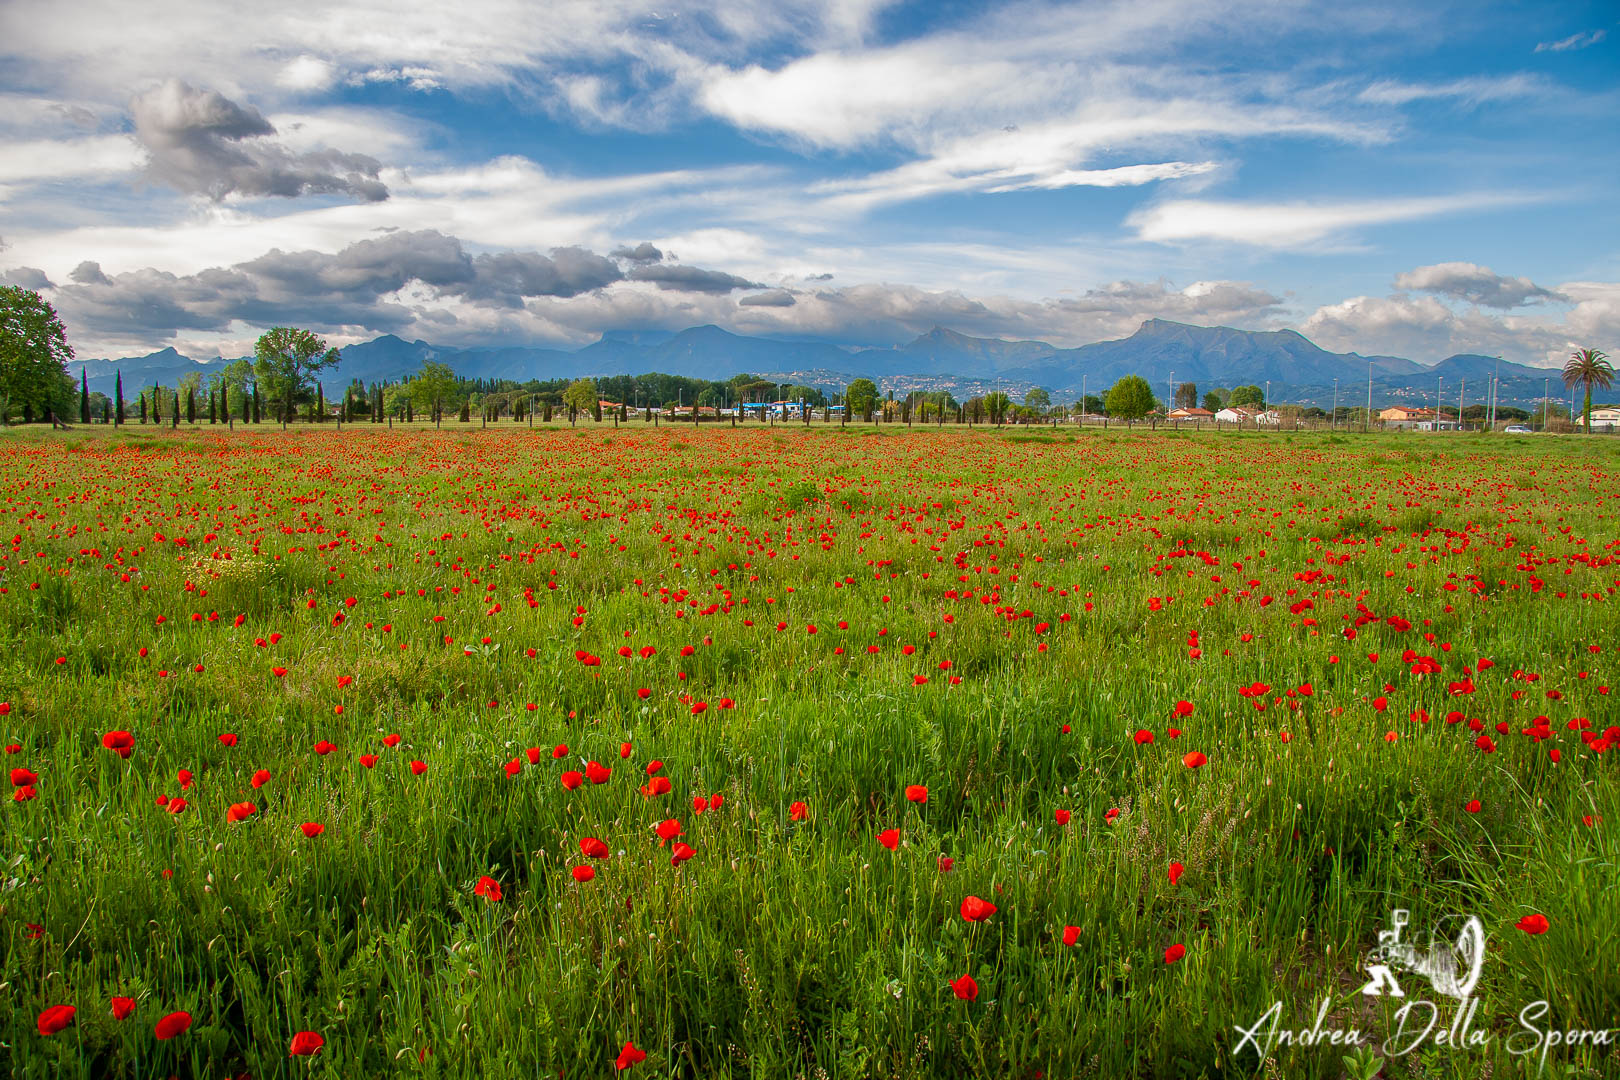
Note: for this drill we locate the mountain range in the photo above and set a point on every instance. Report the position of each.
(1161, 351)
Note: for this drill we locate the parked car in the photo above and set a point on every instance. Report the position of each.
(1517, 429)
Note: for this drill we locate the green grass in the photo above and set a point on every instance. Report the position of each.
(797, 948)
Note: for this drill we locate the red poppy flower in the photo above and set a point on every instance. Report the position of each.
(174, 1024)
(55, 1018)
(798, 811)
(240, 811)
(1071, 934)
(572, 779)
(1143, 737)
(312, 828)
(977, 910)
(889, 838)
(278, 672)
(176, 805)
(965, 988)
(23, 778)
(184, 776)
(122, 1007)
(628, 1056)
(1183, 708)
(592, 848)
(306, 1044)
(624, 750)
(390, 741)
(945, 864)
(1061, 816)
(260, 778)
(1473, 806)
(1174, 953)
(228, 739)
(658, 785)
(323, 748)
(582, 874)
(418, 767)
(1194, 759)
(1176, 870)
(488, 888)
(1533, 924)
(121, 741)
(1111, 816)
(368, 760)
(514, 767)
(653, 766)
(917, 793)
(681, 853)
(669, 830)
(597, 773)
(644, 693)
(715, 801)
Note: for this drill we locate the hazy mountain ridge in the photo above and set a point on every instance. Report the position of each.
(940, 359)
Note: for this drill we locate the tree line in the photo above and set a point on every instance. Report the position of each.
(283, 381)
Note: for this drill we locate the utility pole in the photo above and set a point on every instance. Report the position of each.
(1460, 391)
(1496, 386)
(1082, 403)
(1366, 421)
(1333, 418)
(1437, 386)
(1170, 401)
(1546, 403)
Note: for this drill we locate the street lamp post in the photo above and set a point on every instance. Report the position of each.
(1333, 417)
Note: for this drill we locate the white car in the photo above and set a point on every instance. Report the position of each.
(1517, 429)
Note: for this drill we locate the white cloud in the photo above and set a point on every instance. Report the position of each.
(307, 73)
(1470, 91)
(66, 159)
(1574, 41)
(1425, 329)
(1294, 225)
(1476, 284)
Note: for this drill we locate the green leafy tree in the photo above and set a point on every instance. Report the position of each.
(581, 395)
(997, 405)
(1213, 402)
(34, 354)
(860, 397)
(1038, 401)
(433, 388)
(1247, 395)
(1186, 395)
(287, 360)
(1588, 368)
(1131, 398)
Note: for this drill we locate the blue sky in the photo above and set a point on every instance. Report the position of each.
(1416, 179)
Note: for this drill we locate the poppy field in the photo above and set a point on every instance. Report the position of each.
(810, 753)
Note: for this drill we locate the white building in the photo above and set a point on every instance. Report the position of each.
(1604, 418)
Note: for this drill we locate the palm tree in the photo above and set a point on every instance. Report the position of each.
(1589, 368)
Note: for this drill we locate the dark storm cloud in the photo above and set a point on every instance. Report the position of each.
(691, 279)
(203, 143)
(641, 253)
(770, 298)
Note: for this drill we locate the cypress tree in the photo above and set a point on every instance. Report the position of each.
(256, 413)
(175, 411)
(118, 401)
(143, 407)
(213, 409)
(157, 406)
(191, 406)
(106, 412)
(84, 397)
(320, 402)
